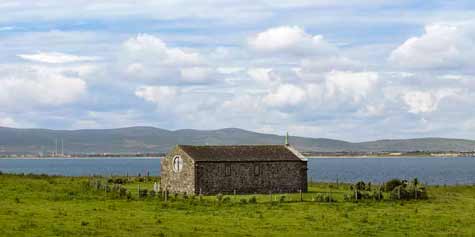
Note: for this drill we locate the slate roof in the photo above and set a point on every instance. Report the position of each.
(232, 153)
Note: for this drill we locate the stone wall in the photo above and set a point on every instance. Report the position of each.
(251, 177)
(177, 182)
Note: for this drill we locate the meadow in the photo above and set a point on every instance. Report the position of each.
(40, 205)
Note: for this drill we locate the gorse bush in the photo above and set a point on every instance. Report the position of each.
(143, 193)
(360, 185)
(219, 197)
(391, 184)
(409, 192)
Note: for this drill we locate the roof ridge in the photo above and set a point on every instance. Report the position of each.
(233, 145)
(271, 152)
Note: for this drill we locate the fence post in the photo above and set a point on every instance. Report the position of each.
(331, 196)
(301, 195)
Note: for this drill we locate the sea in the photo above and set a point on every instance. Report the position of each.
(430, 170)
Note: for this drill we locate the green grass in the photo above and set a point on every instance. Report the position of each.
(63, 206)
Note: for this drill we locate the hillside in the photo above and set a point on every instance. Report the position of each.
(155, 140)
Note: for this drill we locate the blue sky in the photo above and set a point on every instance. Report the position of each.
(355, 70)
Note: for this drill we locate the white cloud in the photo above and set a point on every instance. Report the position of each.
(151, 49)
(420, 102)
(260, 74)
(8, 122)
(37, 86)
(356, 85)
(56, 57)
(425, 101)
(285, 95)
(150, 58)
(160, 95)
(290, 40)
(443, 45)
(196, 73)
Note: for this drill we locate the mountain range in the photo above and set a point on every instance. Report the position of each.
(156, 140)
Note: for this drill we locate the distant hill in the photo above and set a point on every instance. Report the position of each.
(156, 140)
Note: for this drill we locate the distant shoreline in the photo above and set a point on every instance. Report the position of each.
(307, 157)
(384, 157)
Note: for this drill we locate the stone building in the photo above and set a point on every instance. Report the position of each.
(229, 169)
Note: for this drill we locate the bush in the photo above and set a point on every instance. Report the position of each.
(282, 199)
(219, 197)
(122, 192)
(409, 192)
(143, 193)
(226, 199)
(378, 195)
(391, 184)
(243, 201)
(360, 185)
(323, 198)
(253, 200)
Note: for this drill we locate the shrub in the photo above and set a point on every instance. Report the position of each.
(391, 184)
(408, 192)
(226, 199)
(243, 201)
(400, 193)
(122, 192)
(360, 185)
(282, 198)
(219, 197)
(143, 193)
(378, 195)
(129, 195)
(253, 200)
(152, 193)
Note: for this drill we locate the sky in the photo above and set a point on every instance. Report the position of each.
(356, 70)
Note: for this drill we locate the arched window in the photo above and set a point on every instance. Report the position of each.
(177, 164)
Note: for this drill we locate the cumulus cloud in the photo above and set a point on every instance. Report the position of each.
(425, 101)
(56, 57)
(160, 95)
(285, 95)
(149, 57)
(355, 85)
(443, 45)
(151, 49)
(290, 40)
(33, 86)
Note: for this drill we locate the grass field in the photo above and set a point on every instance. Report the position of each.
(64, 206)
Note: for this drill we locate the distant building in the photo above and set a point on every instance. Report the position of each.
(229, 169)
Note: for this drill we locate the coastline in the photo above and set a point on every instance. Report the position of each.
(307, 157)
(385, 157)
